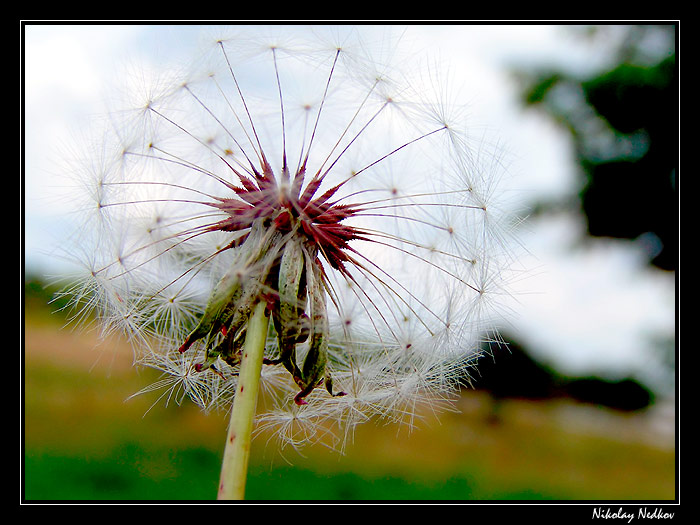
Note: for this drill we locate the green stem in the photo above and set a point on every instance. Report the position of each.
(234, 468)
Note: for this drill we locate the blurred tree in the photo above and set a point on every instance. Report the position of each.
(507, 370)
(624, 126)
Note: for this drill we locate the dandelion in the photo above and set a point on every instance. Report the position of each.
(295, 215)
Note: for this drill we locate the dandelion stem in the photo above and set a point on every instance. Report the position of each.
(234, 467)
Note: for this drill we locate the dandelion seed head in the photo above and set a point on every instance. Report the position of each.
(304, 174)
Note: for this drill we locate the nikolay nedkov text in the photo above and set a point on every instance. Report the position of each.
(642, 513)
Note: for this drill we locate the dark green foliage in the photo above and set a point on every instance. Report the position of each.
(624, 126)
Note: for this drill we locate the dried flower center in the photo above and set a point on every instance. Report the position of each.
(285, 229)
(291, 207)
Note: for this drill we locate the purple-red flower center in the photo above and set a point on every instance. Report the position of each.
(289, 205)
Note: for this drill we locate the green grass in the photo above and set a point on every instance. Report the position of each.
(133, 472)
(128, 472)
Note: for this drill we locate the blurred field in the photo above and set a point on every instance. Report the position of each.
(84, 441)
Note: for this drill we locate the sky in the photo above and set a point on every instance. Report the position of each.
(589, 309)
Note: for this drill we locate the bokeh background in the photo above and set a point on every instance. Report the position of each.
(580, 406)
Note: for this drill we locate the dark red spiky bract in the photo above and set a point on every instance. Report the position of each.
(288, 206)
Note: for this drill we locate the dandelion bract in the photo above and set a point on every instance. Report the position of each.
(336, 186)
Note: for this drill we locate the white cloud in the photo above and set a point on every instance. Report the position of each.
(594, 307)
